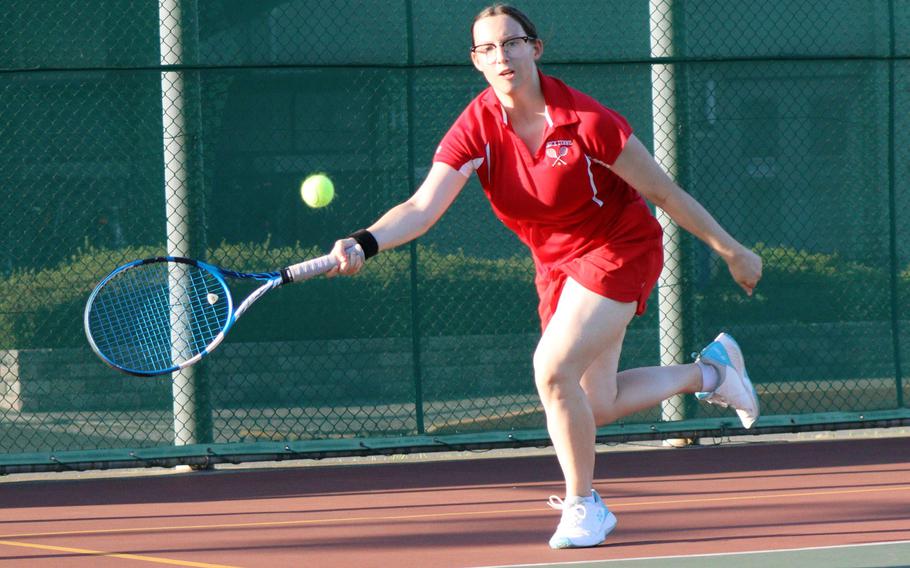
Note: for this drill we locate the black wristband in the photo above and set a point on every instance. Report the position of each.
(367, 242)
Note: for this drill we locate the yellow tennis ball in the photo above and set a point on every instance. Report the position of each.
(317, 190)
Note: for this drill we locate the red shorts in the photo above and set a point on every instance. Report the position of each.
(629, 277)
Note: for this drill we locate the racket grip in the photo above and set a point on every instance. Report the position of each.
(308, 269)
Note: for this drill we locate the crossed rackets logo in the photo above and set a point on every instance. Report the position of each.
(557, 150)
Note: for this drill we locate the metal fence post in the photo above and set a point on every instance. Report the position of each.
(412, 184)
(191, 419)
(663, 99)
(892, 221)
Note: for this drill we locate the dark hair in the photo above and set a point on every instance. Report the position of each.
(500, 9)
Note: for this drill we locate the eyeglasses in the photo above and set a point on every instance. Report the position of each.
(488, 50)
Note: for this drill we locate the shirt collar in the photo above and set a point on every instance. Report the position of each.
(560, 109)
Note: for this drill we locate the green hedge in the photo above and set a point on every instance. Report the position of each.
(457, 295)
(806, 287)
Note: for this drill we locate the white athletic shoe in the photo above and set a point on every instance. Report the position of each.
(734, 389)
(583, 524)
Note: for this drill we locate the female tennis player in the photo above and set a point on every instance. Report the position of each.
(567, 175)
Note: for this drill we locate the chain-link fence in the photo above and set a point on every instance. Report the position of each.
(135, 129)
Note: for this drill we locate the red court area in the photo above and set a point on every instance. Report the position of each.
(480, 512)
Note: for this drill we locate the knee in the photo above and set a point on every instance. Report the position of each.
(552, 378)
(604, 405)
(603, 413)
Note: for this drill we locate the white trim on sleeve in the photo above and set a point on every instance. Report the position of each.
(470, 166)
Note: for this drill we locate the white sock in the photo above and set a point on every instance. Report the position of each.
(573, 499)
(709, 377)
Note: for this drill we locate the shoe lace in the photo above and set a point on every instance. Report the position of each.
(572, 515)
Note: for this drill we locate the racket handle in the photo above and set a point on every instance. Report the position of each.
(308, 269)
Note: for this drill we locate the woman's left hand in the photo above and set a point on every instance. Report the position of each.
(745, 267)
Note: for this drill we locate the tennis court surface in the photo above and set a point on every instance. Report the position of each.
(808, 503)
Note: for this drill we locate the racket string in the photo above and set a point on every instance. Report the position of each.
(156, 316)
(128, 327)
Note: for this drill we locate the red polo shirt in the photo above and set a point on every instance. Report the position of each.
(562, 200)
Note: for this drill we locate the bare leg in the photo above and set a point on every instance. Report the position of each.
(615, 396)
(585, 328)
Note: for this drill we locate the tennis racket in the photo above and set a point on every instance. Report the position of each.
(157, 315)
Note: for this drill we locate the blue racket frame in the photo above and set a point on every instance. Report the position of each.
(153, 341)
(230, 315)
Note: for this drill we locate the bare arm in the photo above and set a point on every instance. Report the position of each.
(636, 165)
(410, 219)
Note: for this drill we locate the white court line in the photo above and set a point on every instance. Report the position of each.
(690, 556)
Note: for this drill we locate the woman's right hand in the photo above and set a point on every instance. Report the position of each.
(350, 258)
